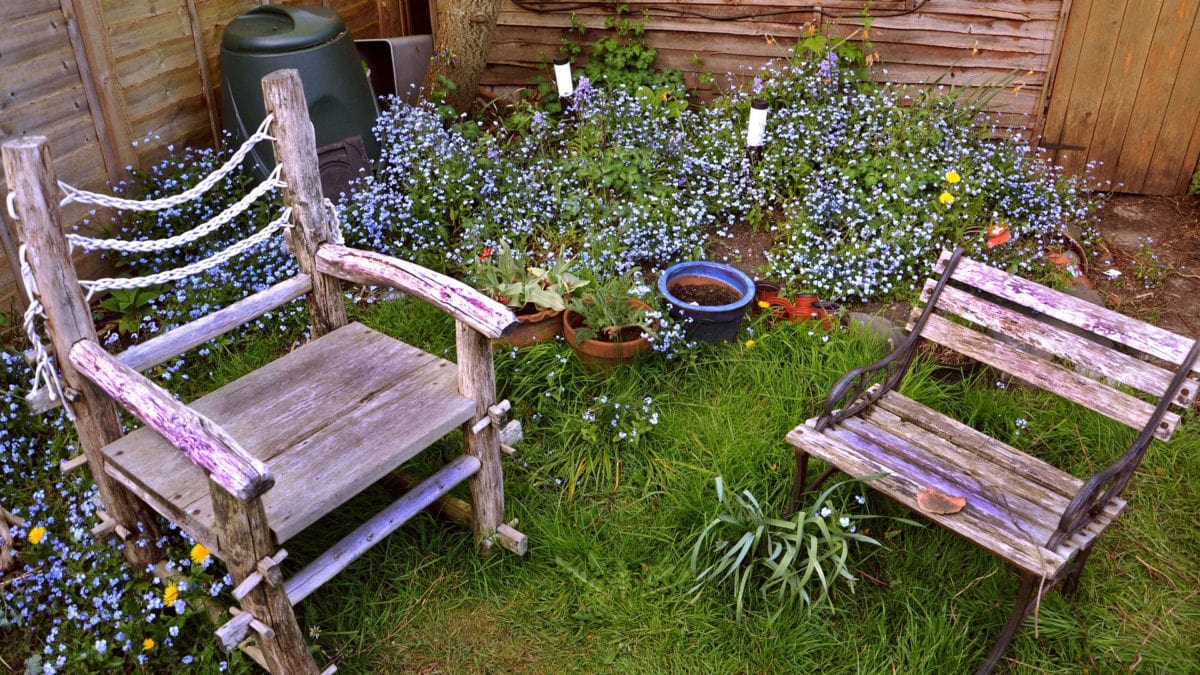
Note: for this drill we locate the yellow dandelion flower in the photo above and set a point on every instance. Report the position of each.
(952, 177)
(750, 343)
(37, 534)
(774, 466)
(148, 644)
(199, 554)
(946, 199)
(763, 304)
(170, 594)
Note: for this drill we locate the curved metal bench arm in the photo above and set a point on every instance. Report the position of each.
(856, 390)
(1093, 496)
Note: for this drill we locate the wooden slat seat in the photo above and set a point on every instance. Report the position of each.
(325, 433)
(1013, 500)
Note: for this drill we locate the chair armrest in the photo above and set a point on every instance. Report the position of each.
(202, 440)
(1112, 479)
(856, 390)
(450, 295)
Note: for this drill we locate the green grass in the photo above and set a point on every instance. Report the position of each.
(604, 587)
(611, 524)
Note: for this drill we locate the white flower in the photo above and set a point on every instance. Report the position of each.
(1112, 274)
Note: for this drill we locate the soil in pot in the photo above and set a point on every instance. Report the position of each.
(707, 292)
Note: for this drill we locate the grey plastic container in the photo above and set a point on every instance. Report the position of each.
(316, 42)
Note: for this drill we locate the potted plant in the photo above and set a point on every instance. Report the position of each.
(607, 325)
(711, 297)
(537, 294)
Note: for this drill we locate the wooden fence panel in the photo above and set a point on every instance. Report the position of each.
(979, 44)
(1126, 99)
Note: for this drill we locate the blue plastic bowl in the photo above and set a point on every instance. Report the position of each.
(711, 323)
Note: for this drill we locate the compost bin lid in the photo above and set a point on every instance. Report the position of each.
(276, 29)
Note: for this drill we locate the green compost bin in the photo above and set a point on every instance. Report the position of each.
(316, 42)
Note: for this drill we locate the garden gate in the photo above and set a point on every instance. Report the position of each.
(1125, 94)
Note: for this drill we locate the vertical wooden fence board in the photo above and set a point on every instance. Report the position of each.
(1169, 170)
(1102, 29)
(1111, 125)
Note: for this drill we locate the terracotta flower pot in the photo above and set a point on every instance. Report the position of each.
(802, 307)
(764, 292)
(600, 356)
(534, 328)
(826, 313)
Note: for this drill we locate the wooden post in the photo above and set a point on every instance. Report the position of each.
(246, 539)
(30, 173)
(477, 381)
(296, 151)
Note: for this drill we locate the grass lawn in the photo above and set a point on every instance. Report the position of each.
(605, 585)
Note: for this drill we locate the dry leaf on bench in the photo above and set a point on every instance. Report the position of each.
(933, 500)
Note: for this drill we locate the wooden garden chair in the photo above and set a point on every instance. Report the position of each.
(252, 464)
(1037, 517)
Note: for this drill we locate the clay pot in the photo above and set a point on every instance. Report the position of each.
(764, 291)
(599, 356)
(802, 307)
(827, 313)
(534, 328)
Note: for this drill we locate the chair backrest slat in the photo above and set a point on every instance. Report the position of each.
(1137, 335)
(1050, 376)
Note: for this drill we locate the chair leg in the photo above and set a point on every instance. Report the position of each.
(1021, 608)
(247, 539)
(477, 381)
(1070, 583)
(801, 480)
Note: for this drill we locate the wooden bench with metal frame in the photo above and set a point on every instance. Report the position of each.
(250, 465)
(1042, 520)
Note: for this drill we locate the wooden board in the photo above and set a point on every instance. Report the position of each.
(1013, 501)
(328, 419)
(1126, 99)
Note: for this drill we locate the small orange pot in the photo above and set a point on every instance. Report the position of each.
(534, 328)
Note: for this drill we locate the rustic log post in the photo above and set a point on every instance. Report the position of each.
(296, 152)
(7, 549)
(245, 539)
(30, 173)
(477, 381)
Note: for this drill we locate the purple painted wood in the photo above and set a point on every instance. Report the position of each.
(1104, 322)
(457, 299)
(205, 443)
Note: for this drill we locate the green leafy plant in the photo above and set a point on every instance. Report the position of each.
(622, 56)
(785, 560)
(508, 276)
(131, 305)
(610, 308)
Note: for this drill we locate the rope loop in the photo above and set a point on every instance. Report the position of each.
(209, 226)
(74, 194)
(44, 372)
(220, 258)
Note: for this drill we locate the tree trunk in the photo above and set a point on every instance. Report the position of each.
(460, 47)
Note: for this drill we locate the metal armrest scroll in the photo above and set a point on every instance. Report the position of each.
(855, 392)
(1109, 482)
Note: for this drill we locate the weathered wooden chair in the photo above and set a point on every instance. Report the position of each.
(250, 465)
(1040, 519)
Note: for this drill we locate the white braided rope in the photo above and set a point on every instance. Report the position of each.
(197, 267)
(208, 227)
(44, 372)
(75, 194)
(335, 223)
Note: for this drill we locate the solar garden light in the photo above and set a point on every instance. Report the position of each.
(756, 130)
(562, 77)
